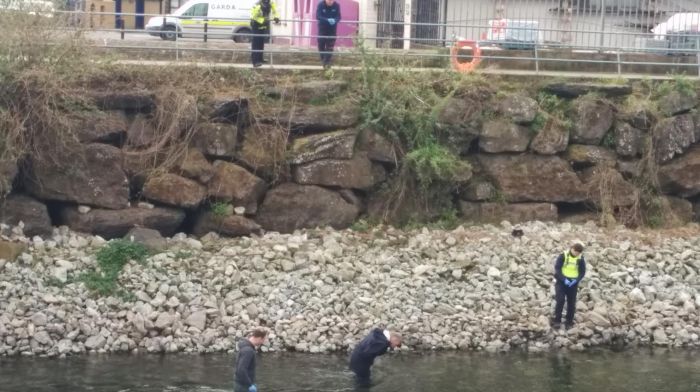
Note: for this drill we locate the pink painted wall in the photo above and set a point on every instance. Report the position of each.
(305, 23)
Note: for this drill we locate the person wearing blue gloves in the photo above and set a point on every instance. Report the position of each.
(569, 270)
(245, 362)
(328, 16)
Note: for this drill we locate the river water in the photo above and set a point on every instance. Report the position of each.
(600, 371)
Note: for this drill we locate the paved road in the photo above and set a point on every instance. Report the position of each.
(487, 71)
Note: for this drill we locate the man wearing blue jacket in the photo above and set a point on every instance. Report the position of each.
(569, 270)
(328, 16)
(377, 343)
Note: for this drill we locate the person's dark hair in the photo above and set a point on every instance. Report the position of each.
(259, 333)
(578, 248)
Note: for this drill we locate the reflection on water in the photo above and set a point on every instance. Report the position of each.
(601, 371)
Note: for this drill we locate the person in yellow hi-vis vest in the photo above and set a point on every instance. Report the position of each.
(260, 16)
(569, 270)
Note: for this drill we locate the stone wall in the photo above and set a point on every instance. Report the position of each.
(298, 158)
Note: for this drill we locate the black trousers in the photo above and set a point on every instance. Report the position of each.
(239, 387)
(325, 48)
(362, 376)
(261, 33)
(568, 294)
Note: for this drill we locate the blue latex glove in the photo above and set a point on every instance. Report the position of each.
(253, 388)
(573, 282)
(567, 282)
(331, 21)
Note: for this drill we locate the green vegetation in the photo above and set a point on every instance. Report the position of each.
(221, 209)
(111, 259)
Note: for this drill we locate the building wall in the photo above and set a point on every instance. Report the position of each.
(99, 21)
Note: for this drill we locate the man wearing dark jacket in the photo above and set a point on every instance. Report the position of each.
(328, 16)
(569, 270)
(245, 362)
(377, 343)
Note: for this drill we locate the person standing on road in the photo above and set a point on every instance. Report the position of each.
(377, 343)
(569, 270)
(260, 16)
(245, 361)
(328, 16)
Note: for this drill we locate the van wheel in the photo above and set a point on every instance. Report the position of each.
(169, 33)
(242, 36)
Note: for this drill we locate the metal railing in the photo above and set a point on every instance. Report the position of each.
(589, 35)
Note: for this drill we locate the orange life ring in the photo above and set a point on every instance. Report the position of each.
(468, 66)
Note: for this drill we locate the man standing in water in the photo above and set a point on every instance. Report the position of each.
(245, 362)
(377, 343)
(569, 270)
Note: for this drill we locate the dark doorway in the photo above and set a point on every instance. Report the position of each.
(140, 10)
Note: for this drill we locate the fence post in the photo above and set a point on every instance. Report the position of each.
(602, 25)
(206, 27)
(407, 19)
(619, 64)
(537, 59)
(121, 25)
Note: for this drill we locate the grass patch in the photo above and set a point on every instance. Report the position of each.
(111, 259)
(221, 209)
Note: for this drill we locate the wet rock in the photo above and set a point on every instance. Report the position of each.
(514, 213)
(552, 138)
(460, 121)
(358, 173)
(679, 177)
(8, 172)
(672, 136)
(519, 108)
(575, 90)
(606, 188)
(377, 147)
(583, 155)
(228, 109)
(289, 207)
(32, 213)
(95, 342)
(629, 141)
(217, 140)
(592, 119)
(149, 238)
(174, 190)
(503, 136)
(141, 132)
(116, 223)
(533, 178)
(197, 320)
(10, 251)
(313, 119)
(100, 127)
(196, 167)
(314, 91)
(478, 191)
(230, 225)
(232, 183)
(90, 175)
(333, 145)
(143, 101)
(264, 149)
(660, 337)
(677, 102)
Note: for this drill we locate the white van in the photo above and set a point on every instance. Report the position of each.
(224, 19)
(684, 22)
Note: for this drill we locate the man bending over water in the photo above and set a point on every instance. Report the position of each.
(377, 343)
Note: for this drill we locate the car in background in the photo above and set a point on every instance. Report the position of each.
(222, 18)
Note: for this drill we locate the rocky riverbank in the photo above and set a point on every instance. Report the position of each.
(475, 288)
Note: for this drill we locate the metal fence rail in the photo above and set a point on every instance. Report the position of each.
(596, 35)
